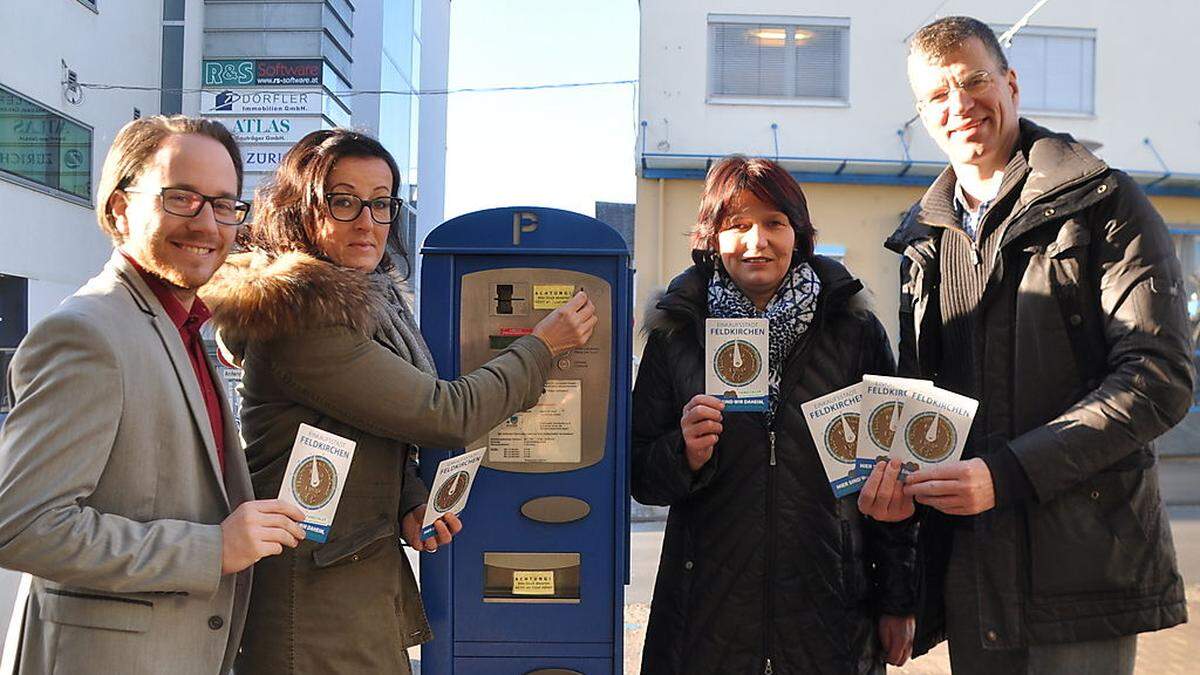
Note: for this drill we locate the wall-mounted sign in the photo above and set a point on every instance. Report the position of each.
(228, 73)
(234, 101)
(259, 101)
(261, 72)
(262, 157)
(289, 72)
(253, 130)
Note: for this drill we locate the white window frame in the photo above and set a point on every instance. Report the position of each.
(792, 21)
(1048, 31)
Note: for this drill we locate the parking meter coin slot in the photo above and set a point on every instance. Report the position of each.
(508, 298)
(555, 509)
(499, 342)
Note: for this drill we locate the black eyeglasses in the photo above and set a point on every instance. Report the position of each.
(187, 203)
(345, 207)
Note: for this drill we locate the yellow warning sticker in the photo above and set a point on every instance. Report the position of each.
(533, 582)
(552, 296)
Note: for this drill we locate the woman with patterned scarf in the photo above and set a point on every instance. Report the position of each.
(763, 570)
(314, 315)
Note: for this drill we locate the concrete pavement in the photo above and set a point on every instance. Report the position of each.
(1168, 652)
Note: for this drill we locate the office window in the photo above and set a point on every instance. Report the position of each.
(14, 316)
(6, 355)
(42, 146)
(1056, 68)
(760, 59)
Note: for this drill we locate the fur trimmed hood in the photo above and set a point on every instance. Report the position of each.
(257, 297)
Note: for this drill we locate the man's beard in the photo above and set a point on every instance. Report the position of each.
(151, 260)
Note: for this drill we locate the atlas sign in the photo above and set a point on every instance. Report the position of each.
(270, 129)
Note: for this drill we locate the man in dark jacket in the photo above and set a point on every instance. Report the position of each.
(1042, 282)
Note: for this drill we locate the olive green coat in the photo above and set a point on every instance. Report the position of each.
(304, 331)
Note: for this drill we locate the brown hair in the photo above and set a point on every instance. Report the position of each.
(766, 180)
(949, 33)
(136, 143)
(289, 203)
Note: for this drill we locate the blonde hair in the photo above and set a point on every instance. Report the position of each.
(136, 143)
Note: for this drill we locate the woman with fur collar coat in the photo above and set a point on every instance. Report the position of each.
(314, 316)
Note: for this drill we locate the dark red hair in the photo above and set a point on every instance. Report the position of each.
(766, 180)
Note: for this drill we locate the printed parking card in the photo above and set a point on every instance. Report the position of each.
(315, 475)
(451, 485)
(882, 406)
(737, 353)
(933, 429)
(833, 421)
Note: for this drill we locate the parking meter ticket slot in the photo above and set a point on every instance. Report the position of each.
(882, 407)
(552, 296)
(537, 578)
(533, 582)
(737, 358)
(550, 431)
(833, 421)
(933, 429)
(314, 478)
(451, 487)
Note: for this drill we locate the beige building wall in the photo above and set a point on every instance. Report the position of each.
(1179, 212)
(856, 217)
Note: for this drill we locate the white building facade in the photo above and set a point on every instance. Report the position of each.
(821, 86)
(75, 71)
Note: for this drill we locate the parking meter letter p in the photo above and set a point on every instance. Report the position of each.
(523, 222)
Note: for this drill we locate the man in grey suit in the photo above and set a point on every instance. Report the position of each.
(124, 491)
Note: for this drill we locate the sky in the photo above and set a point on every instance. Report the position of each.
(565, 148)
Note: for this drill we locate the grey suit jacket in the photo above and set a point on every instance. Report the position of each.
(111, 495)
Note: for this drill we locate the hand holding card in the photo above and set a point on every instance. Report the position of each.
(314, 478)
(451, 486)
(737, 353)
(834, 422)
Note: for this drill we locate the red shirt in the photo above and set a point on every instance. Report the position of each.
(188, 324)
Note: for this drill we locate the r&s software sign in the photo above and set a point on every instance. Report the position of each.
(262, 72)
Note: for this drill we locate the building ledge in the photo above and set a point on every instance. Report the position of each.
(874, 171)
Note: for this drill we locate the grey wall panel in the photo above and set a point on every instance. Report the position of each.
(290, 44)
(173, 10)
(336, 57)
(337, 30)
(262, 16)
(171, 98)
(343, 9)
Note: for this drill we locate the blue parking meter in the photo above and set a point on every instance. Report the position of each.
(536, 582)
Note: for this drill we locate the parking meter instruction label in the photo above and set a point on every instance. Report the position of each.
(550, 431)
(552, 296)
(533, 582)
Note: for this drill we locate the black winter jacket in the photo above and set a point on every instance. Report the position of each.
(1086, 361)
(760, 563)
